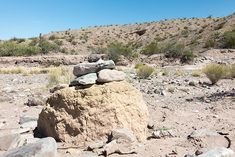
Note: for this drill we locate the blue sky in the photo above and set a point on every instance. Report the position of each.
(28, 18)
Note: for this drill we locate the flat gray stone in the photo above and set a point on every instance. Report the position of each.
(203, 133)
(218, 152)
(46, 147)
(108, 75)
(26, 119)
(8, 140)
(87, 79)
(86, 68)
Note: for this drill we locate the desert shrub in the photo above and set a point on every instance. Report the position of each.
(179, 51)
(116, 49)
(214, 72)
(210, 43)
(151, 49)
(18, 40)
(58, 42)
(59, 75)
(228, 39)
(34, 41)
(9, 48)
(174, 51)
(144, 71)
(53, 37)
(185, 33)
(232, 71)
(187, 56)
(47, 46)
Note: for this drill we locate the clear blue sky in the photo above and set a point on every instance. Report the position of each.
(27, 18)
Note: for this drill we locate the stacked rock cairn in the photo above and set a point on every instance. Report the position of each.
(96, 73)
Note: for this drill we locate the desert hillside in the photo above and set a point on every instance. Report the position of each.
(196, 34)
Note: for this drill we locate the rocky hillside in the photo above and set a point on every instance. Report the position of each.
(196, 34)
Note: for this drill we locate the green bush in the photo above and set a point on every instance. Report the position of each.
(53, 37)
(210, 43)
(151, 49)
(187, 56)
(214, 72)
(18, 40)
(144, 71)
(174, 51)
(179, 51)
(232, 71)
(228, 40)
(46, 46)
(9, 48)
(116, 49)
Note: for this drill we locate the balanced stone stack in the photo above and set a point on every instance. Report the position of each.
(97, 72)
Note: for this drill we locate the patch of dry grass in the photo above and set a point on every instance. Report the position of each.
(16, 70)
(196, 73)
(59, 75)
(215, 72)
(144, 71)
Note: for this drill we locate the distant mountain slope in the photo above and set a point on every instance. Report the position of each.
(194, 33)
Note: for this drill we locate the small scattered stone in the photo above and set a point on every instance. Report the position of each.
(199, 152)
(108, 75)
(163, 133)
(95, 145)
(58, 87)
(192, 83)
(123, 135)
(34, 102)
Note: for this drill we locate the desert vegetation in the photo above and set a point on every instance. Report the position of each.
(216, 72)
(143, 70)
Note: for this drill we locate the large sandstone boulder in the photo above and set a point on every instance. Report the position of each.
(78, 116)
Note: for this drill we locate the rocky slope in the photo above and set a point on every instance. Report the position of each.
(193, 32)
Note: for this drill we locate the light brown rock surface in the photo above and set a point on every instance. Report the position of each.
(76, 116)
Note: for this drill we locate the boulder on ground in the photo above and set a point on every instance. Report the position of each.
(32, 101)
(86, 68)
(85, 115)
(46, 147)
(108, 75)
